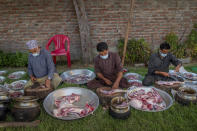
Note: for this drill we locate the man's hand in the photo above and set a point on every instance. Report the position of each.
(115, 86)
(108, 82)
(48, 83)
(177, 68)
(33, 79)
(165, 74)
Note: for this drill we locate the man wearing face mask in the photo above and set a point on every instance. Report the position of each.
(41, 68)
(158, 66)
(108, 69)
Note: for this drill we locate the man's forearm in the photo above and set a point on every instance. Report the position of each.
(101, 76)
(159, 72)
(119, 77)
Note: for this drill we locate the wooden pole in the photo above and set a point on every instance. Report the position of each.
(127, 30)
(84, 29)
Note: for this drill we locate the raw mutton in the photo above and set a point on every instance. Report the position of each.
(78, 78)
(65, 106)
(148, 101)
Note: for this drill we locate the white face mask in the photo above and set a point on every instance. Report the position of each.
(36, 54)
(162, 54)
(104, 57)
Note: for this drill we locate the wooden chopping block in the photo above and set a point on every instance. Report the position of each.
(19, 124)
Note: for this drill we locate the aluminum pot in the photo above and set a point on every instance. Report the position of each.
(119, 108)
(186, 95)
(25, 108)
(4, 96)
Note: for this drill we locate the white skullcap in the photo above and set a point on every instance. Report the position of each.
(32, 44)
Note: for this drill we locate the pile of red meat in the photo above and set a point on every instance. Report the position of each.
(64, 106)
(14, 76)
(146, 100)
(190, 76)
(78, 78)
(15, 94)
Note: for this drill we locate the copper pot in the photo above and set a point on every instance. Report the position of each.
(26, 108)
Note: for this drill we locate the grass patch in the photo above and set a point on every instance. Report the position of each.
(178, 117)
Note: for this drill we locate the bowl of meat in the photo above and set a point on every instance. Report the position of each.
(16, 75)
(133, 76)
(18, 85)
(189, 76)
(168, 85)
(149, 99)
(38, 90)
(2, 79)
(2, 72)
(78, 76)
(71, 103)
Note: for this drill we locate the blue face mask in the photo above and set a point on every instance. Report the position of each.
(104, 57)
(162, 54)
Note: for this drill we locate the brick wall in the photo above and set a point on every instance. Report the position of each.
(21, 21)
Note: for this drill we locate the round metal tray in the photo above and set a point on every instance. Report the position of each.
(2, 72)
(2, 79)
(71, 73)
(166, 97)
(194, 78)
(18, 73)
(139, 77)
(16, 82)
(87, 96)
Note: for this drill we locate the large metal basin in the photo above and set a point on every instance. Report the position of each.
(68, 74)
(166, 97)
(87, 96)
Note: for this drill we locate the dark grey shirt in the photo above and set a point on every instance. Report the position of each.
(42, 65)
(156, 63)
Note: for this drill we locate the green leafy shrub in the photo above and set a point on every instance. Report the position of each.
(17, 59)
(192, 42)
(137, 51)
(178, 49)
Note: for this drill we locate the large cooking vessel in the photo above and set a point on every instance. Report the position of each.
(106, 99)
(26, 108)
(117, 111)
(186, 94)
(3, 110)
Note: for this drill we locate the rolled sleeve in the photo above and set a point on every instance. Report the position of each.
(174, 60)
(50, 65)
